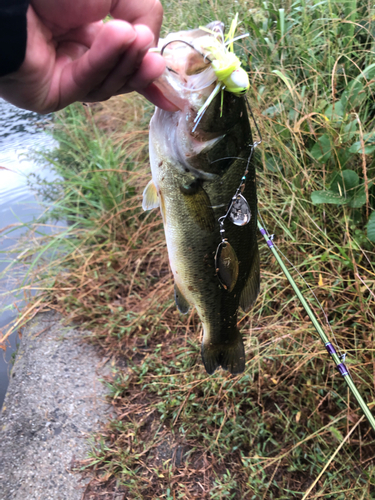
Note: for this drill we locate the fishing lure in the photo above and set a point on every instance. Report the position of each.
(219, 53)
(226, 66)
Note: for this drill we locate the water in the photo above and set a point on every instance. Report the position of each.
(21, 132)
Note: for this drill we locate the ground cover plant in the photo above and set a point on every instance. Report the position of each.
(287, 427)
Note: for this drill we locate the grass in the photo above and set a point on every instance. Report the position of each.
(270, 432)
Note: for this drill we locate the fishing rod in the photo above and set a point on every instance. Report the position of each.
(339, 360)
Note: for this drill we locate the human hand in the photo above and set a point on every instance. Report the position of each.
(71, 55)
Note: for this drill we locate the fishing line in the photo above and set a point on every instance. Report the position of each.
(228, 158)
(239, 213)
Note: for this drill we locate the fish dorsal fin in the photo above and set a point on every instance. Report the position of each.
(251, 290)
(181, 303)
(150, 197)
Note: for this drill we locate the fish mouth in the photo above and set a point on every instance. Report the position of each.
(195, 134)
(189, 77)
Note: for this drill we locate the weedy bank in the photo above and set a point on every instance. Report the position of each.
(286, 428)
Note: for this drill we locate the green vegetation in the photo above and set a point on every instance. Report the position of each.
(271, 432)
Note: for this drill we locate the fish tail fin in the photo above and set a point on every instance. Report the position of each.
(230, 356)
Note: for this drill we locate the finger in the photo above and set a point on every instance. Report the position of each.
(152, 64)
(60, 16)
(129, 64)
(147, 12)
(76, 79)
(152, 67)
(154, 95)
(84, 35)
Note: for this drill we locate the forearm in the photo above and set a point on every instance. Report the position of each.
(13, 35)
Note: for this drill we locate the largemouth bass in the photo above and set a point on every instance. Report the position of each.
(197, 167)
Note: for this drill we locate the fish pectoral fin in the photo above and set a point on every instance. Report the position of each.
(181, 303)
(199, 206)
(150, 197)
(229, 356)
(251, 289)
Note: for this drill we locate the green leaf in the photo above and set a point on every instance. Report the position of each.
(358, 200)
(286, 80)
(318, 197)
(272, 165)
(368, 73)
(321, 151)
(272, 111)
(371, 227)
(359, 197)
(353, 96)
(369, 138)
(321, 104)
(344, 181)
(335, 112)
(357, 148)
(281, 23)
(349, 131)
(364, 25)
(336, 433)
(254, 27)
(369, 141)
(343, 157)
